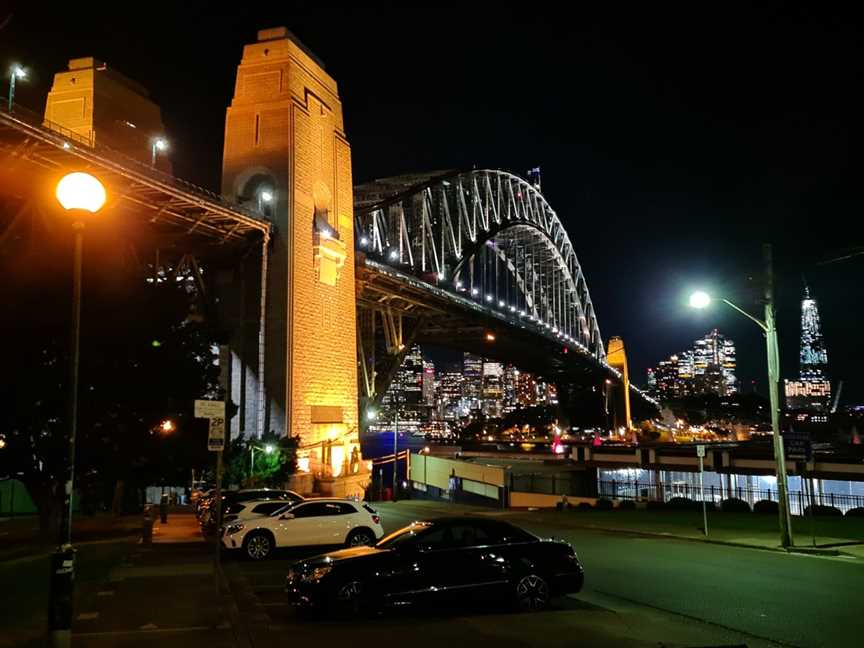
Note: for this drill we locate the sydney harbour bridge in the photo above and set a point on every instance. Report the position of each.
(322, 285)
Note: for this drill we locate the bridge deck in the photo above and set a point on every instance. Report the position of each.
(48, 149)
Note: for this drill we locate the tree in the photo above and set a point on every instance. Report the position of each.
(272, 469)
(144, 359)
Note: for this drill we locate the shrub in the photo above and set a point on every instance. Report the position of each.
(823, 510)
(765, 506)
(584, 506)
(682, 503)
(655, 506)
(627, 505)
(855, 512)
(734, 505)
(604, 504)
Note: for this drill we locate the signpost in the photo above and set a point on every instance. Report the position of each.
(700, 452)
(215, 412)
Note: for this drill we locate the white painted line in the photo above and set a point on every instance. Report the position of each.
(88, 616)
(109, 633)
(105, 593)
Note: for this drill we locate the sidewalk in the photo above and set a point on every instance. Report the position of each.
(127, 594)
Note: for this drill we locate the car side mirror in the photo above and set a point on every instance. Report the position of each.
(286, 516)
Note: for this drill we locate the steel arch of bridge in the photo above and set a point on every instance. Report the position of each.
(489, 236)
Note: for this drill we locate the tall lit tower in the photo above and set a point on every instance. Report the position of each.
(813, 389)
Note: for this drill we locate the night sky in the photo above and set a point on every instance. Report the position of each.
(670, 145)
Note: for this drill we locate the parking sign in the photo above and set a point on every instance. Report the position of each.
(216, 437)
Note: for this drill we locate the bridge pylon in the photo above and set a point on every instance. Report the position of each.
(616, 357)
(287, 156)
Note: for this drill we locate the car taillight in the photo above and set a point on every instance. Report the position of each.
(376, 519)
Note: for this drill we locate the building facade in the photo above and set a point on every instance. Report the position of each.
(812, 390)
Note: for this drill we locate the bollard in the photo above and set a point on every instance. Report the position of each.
(147, 525)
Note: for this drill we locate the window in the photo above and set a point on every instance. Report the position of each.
(469, 535)
(268, 508)
(507, 533)
(346, 509)
(320, 509)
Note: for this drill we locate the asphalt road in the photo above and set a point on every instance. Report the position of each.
(639, 591)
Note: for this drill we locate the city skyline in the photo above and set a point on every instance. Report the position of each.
(708, 367)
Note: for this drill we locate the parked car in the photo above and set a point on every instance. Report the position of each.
(207, 517)
(318, 521)
(252, 509)
(440, 561)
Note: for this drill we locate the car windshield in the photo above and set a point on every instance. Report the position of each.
(283, 509)
(405, 534)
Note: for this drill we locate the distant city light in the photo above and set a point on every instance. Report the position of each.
(490, 337)
(364, 241)
(394, 255)
(474, 291)
(488, 298)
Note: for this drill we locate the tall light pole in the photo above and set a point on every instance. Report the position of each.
(157, 144)
(701, 299)
(81, 195)
(395, 444)
(15, 72)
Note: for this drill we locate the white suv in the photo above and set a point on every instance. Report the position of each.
(317, 521)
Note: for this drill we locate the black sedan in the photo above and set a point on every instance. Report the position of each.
(438, 562)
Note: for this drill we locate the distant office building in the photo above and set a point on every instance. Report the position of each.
(526, 389)
(707, 368)
(428, 383)
(472, 387)
(493, 389)
(812, 391)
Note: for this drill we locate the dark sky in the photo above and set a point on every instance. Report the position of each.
(671, 145)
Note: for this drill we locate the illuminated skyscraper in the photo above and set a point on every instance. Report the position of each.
(707, 368)
(813, 388)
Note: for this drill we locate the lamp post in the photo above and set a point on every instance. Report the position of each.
(15, 72)
(268, 449)
(81, 195)
(702, 299)
(157, 144)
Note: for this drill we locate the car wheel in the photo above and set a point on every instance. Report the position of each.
(360, 537)
(258, 546)
(347, 598)
(532, 593)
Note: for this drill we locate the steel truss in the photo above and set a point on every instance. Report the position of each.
(490, 236)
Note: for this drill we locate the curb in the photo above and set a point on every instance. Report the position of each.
(727, 543)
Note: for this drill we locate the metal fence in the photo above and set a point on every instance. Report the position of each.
(663, 492)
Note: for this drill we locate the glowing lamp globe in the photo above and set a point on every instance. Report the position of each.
(699, 299)
(80, 191)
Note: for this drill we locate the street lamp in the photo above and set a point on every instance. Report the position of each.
(702, 299)
(167, 426)
(268, 449)
(157, 144)
(15, 72)
(81, 195)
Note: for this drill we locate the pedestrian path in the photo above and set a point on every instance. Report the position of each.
(179, 528)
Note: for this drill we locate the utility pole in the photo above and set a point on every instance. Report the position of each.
(786, 539)
(395, 444)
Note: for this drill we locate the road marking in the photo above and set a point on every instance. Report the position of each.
(88, 616)
(148, 626)
(105, 593)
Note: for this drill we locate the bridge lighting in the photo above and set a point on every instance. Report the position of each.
(458, 285)
(490, 337)
(700, 299)
(501, 304)
(488, 298)
(157, 144)
(371, 414)
(441, 276)
(364, 241)
(521, 313)
(15, 72)
(512, 309)
(393, 255)
(475, 292)
(326, 233)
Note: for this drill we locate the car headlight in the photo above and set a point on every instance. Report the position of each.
(234, 528)
(316, 573)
